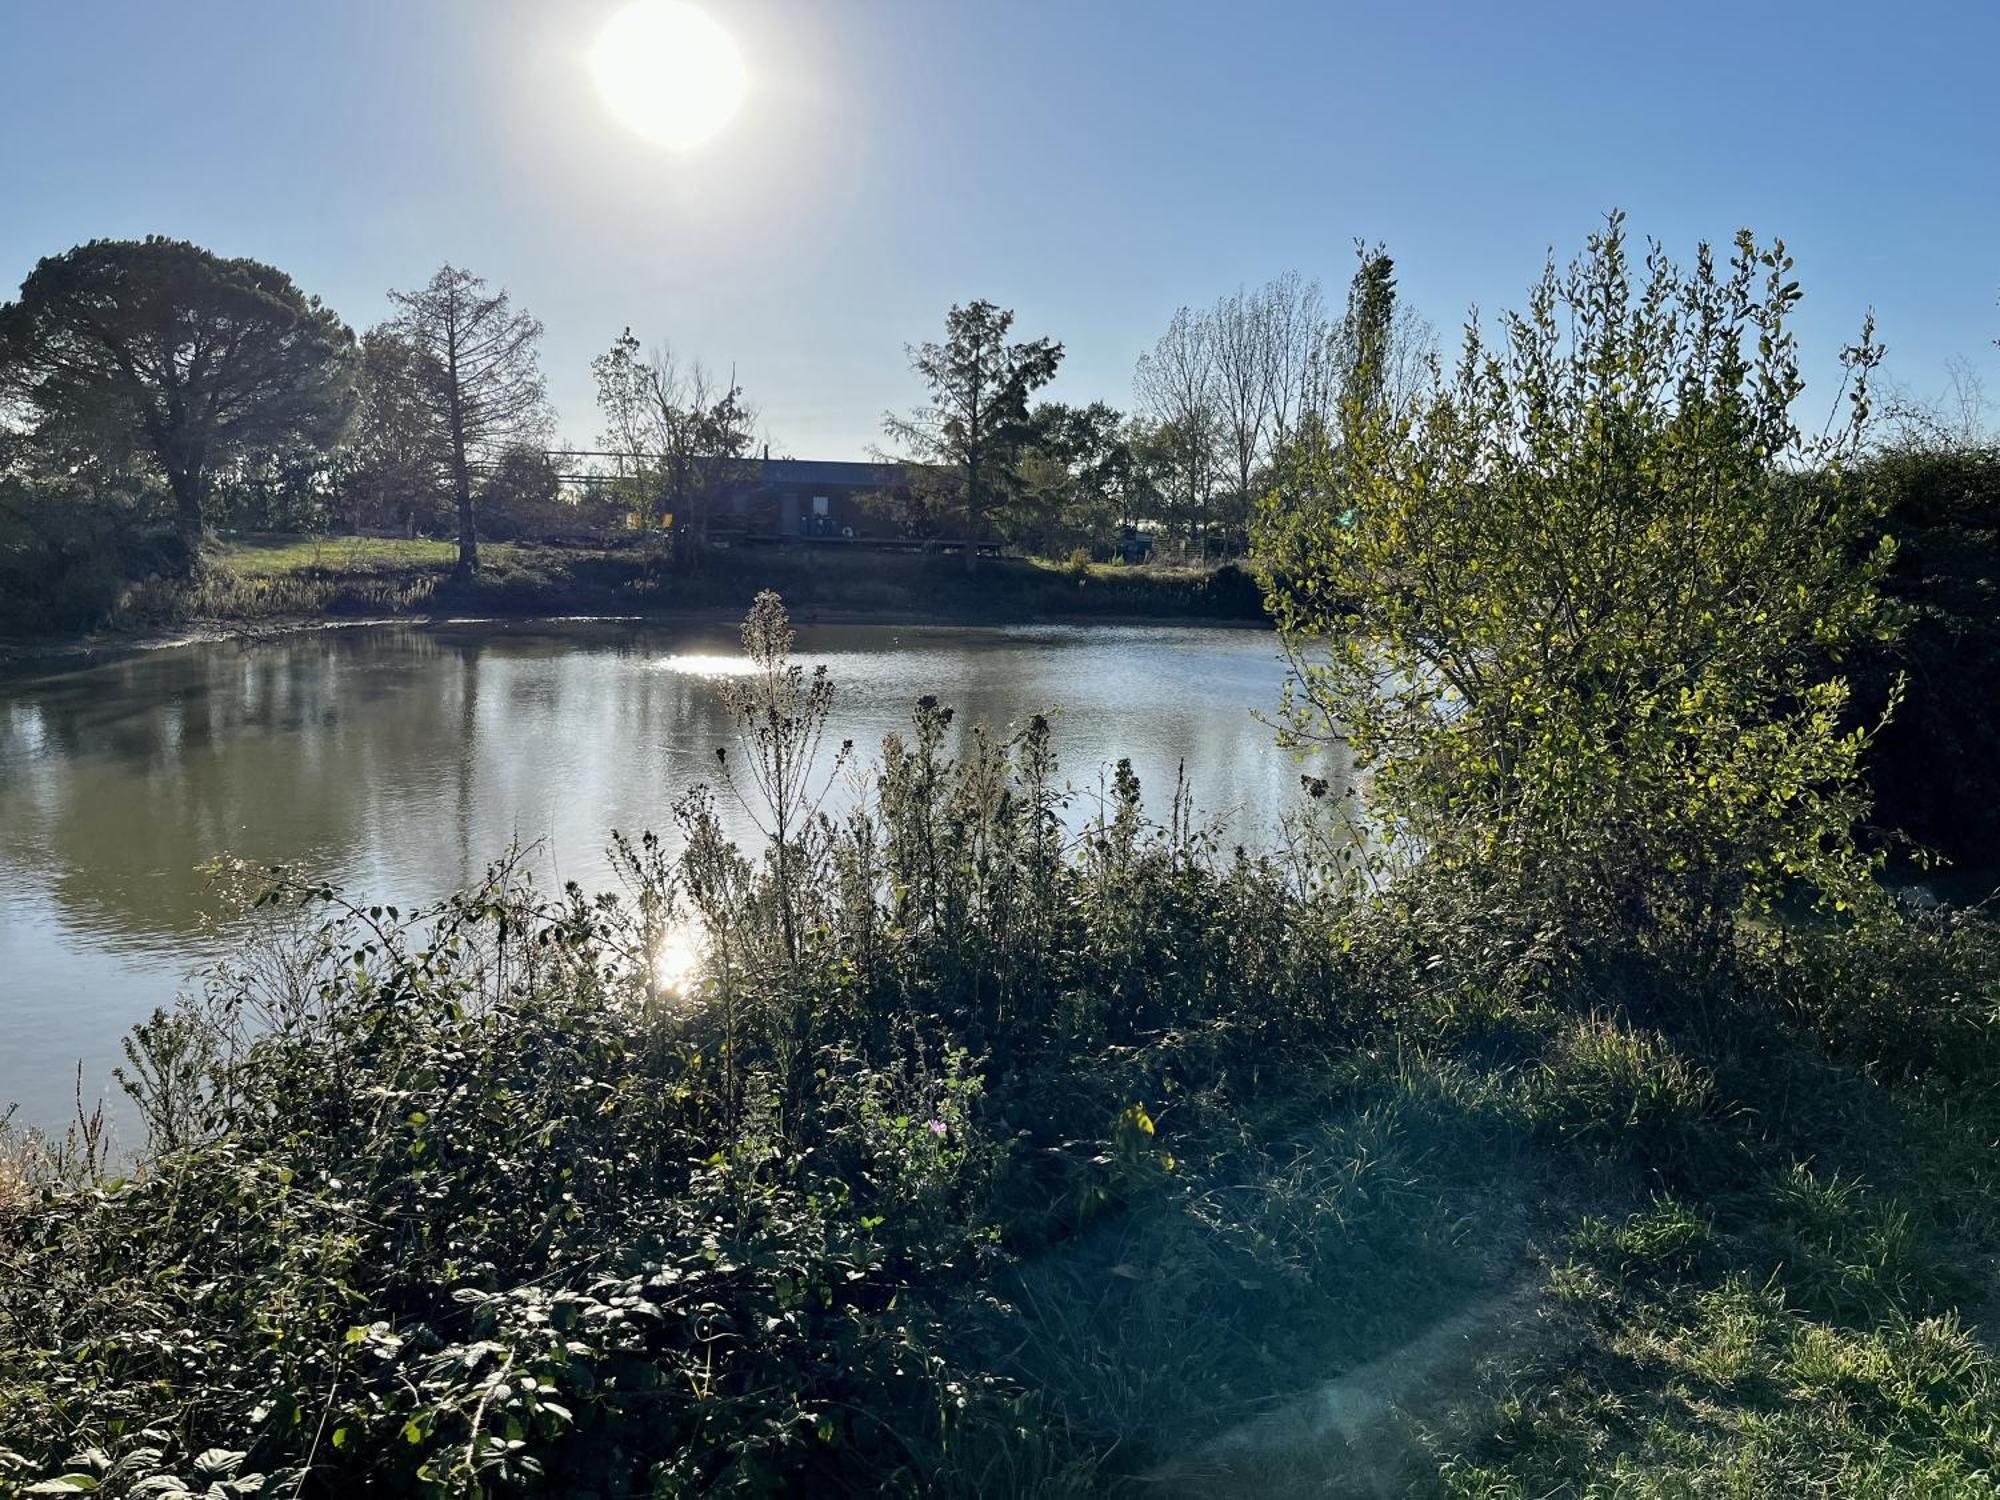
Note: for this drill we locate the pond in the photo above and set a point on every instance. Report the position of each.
(397, 761)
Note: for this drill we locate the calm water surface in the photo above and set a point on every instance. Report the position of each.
(398, 760)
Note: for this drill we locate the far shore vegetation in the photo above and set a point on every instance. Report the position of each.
(253, 582)
(1585, 1107)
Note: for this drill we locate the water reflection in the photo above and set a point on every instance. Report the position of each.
(399, 760)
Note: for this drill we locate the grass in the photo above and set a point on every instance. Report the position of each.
(1799, 1317)
(269, 578)
(357, 556)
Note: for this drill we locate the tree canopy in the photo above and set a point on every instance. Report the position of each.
(1077, 479)
(199, 359)
(678, 435)
(977, 417)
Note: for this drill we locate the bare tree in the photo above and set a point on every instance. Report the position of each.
(486, 393)
(1175, 384)
(1242, 350)
(677, 432)
(1295, 321)
(1953, 419)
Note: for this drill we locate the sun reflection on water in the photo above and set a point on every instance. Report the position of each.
(707, 664)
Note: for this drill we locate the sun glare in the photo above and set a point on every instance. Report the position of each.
(669, 72)
(677, 959)
(707, 664)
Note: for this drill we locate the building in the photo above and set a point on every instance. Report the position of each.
(784, 498)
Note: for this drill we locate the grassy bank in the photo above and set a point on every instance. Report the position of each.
(289, 579)
(973, 1159)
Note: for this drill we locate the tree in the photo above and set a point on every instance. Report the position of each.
(1233, 385)
(397, 466)
(289, 488)
(720, 434)
(678, 436)
(1074, 478)
(1244, 356)
(918, 500)
(521, 495)
(204, 361)
(978, 415)
(1379, 349)
(1370, 362)
(73, 532)
(1176, 387)
(483, 381)
(1296, 329)
(1576, 615)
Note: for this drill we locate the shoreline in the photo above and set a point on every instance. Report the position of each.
(25, 657)
(254, 589)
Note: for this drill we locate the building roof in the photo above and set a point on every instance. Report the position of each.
(829, 472)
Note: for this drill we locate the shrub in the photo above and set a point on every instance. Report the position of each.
(1572, 606)
(1915, 995)
(1935, 767)
(465, 1200)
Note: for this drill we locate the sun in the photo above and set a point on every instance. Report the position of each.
(669, 72)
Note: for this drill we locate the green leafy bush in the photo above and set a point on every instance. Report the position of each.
(1573, 604)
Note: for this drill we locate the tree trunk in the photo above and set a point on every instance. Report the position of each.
(188, 527)
(461, 477)
(972, 516)
(468, 535)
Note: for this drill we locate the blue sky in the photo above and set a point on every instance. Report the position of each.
(1091, 164)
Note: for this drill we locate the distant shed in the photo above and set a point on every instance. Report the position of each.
(808, 497)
